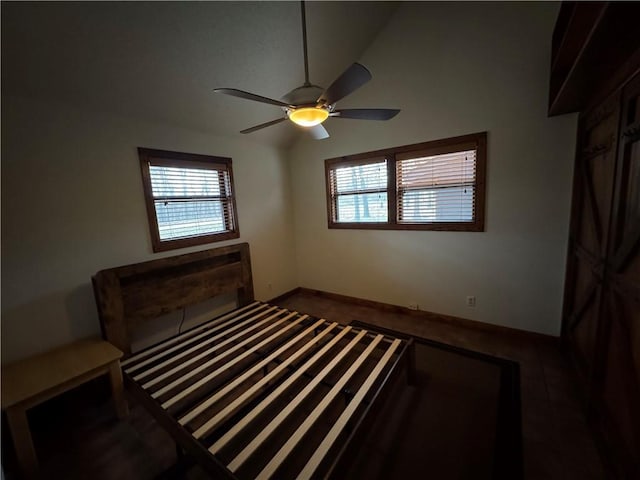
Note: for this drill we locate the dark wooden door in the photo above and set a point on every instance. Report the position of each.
(602, 297)
(619, 374)
(593, 190)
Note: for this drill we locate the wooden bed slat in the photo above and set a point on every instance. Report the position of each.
(203, 331)
(339, 425)
(242, 378)
(219, 357)
(286, 449)
(208, 351)
(238, 402)
(192, 388)
(250, 449)
(247, 419)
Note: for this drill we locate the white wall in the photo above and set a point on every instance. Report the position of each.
(72, 204)
(454, 69)
(72, 200)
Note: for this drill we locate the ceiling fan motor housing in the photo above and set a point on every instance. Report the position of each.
(307, 95)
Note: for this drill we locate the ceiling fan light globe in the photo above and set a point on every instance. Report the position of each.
(308, 116)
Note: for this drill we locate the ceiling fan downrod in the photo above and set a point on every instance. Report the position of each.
(304, 45)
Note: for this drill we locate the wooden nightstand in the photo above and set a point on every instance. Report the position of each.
(31, 381)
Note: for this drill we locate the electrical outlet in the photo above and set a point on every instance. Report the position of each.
(413, 306)
(471, 301)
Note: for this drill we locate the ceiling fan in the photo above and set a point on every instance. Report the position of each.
(310, 105)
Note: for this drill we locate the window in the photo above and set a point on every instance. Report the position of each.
(360, 192)
(189, 198)
(436, 185)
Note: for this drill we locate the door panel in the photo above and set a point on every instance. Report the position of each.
(620, 373)
(601, 324)
(593, 189)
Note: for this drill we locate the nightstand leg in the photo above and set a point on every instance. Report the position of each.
(115, 375)
(19, 426)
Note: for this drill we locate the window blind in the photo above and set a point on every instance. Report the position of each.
(359, 193)
(436, 188)
(191, 201)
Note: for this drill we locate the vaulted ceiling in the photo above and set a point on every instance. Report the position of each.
(161, 60)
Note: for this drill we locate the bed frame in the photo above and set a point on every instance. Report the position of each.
(259, 392)
(127, 296)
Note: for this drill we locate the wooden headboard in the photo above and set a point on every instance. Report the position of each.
(129, 295)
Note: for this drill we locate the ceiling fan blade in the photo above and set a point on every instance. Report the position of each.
(351, 79)
(263, 125)
(250, 96)
(366, 113)
(318, 132)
